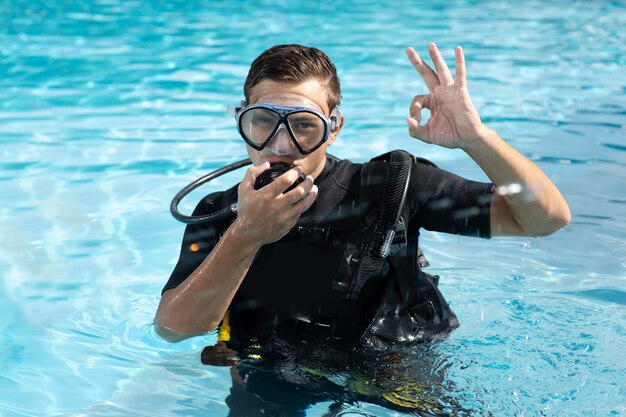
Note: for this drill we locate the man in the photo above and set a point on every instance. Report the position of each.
(253, 276)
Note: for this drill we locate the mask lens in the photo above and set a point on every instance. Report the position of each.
(257, 124)
(308, 129)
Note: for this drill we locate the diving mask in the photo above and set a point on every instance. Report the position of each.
(307, 127)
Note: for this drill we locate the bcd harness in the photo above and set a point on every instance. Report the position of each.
(412, 309)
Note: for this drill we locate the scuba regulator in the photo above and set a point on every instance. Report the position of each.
(274, 171)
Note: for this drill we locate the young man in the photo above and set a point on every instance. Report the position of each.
(260, 278)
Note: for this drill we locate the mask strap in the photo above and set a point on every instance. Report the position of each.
(335, 118)
(233, 109)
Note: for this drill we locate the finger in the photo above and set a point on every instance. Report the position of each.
(417, 131)
(252, 173)
(460, 76)
(445, 77)
(427, 73)
(304, 204)
(299, 192)
(284, 181)
(419, 103)
(415, 111)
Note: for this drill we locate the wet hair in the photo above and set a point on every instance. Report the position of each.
(295, 64)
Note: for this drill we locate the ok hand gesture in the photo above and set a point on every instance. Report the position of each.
(454, 121)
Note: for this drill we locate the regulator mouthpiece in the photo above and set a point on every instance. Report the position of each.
(274, 171)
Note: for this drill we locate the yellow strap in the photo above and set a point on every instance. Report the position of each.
(412, 396)
(224, 332)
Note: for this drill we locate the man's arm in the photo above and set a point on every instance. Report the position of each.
(526, 201)
(263, 216)
(198, 304)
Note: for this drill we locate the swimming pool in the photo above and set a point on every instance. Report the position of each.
(107, 108)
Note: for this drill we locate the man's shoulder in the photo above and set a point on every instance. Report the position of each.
(344, 173)
(356, 175)
(369, 177)
(366, 172)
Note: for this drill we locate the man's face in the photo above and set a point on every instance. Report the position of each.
(309, 94)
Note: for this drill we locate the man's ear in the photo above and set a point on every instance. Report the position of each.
(335, 132)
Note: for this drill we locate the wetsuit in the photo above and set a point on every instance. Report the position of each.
(290, 328)
(290, 282)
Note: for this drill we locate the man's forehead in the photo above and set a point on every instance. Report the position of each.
(285, 100)
(309, 93)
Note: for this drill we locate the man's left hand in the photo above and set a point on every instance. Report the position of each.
(454, 121)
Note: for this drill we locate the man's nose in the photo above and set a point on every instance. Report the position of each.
(280, 143)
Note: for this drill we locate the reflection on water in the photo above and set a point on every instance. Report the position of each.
(284, 378)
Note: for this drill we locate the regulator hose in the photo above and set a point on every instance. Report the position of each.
(222, 214)
(274, 171)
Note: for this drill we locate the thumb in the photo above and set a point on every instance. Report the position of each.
(415, 130)
(252, 173)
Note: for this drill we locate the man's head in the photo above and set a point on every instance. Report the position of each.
(295, 64)
(283, 77)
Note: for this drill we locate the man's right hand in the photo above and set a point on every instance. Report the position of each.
(266, 215)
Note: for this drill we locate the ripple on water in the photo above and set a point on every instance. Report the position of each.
(610, 295)
(546, 333)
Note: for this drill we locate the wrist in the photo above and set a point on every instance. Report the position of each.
(238, 234)
(481, 138)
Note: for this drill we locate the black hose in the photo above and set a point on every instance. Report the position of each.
(224, 213)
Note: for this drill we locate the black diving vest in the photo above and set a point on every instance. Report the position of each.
(412, 309)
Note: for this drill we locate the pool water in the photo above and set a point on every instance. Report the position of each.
(107, 108)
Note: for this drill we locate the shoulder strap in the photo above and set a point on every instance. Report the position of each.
(414, 254)
(392, 199)
(373, 251)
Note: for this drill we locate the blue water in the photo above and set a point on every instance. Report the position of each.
(108, 108)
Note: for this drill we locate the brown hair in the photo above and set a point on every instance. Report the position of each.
(295, 63)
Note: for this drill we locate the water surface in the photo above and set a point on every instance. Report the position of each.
(107, 108)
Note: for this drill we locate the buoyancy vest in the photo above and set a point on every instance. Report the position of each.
(413, 309)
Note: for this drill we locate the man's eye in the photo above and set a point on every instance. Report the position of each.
(304, 123)
(263, 121)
